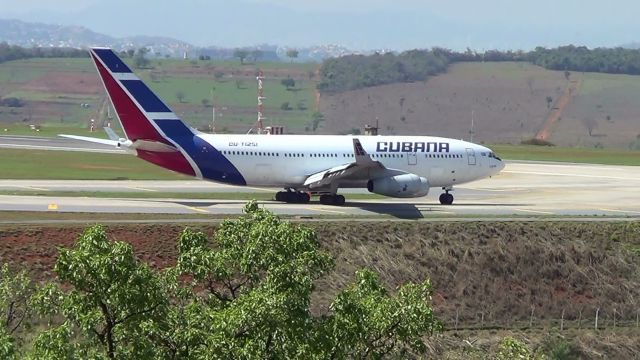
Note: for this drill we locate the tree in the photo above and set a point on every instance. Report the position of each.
(218, 75)
(549, 100)
(15, 293)
(530, 82)
(590, 124)
(316, 118)
(241, 54)
(292, 54)
(288, 83)
(259, 273)
(111, 295)
(205, 102)
(245, 293)
(285, 106)
(180, 96)
(140, 58)
(256, 54)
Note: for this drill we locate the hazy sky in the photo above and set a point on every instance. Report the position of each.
(357, 24)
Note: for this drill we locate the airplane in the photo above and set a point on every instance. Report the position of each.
(303, 165)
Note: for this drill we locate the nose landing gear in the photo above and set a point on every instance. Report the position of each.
(446, 198)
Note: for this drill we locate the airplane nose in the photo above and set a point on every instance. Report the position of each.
(501, 166)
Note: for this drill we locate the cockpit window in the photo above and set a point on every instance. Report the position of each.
(493, 155)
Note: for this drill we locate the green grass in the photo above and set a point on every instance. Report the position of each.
(70, 165)
(561, 154)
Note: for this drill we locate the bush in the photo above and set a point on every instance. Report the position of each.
(537, 142)
(11, 102)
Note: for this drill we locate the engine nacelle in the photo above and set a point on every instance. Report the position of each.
(400, 186)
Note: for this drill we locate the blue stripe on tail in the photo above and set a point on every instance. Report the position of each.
(112, 61)
(145, 97)
(213, 165)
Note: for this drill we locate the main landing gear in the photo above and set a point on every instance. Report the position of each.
(446, 198)
(297, 197)
(300, 197)
(332, 200)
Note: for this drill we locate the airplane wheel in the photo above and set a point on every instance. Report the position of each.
(326, 199)
(279, 196)
(303, 198)
(446, 199)
(339, 200)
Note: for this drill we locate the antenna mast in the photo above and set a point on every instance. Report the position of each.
(261, 97)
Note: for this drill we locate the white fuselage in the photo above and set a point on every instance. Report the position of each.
(287, 160)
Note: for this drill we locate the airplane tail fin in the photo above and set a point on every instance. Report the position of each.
(154, 131)
(143, 116)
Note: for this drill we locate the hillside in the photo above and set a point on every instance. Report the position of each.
(508, 101)
(67, 93)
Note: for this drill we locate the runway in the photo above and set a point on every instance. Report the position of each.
(522, 189)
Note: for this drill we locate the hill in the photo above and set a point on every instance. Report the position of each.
(67, 93)
(509, 102)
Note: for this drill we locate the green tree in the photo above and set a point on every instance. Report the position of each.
(140, 59)
(368, 323)
(15, 294)
(288, 83)
(180, 96)
(292, 54)
(241, 54)
(111, 298)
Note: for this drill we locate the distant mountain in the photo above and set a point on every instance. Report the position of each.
(28, 34)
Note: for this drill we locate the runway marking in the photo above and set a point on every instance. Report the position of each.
(31, 187)
(196, 209)
(575, 175)
(325, 210)
(140, 188)
(535, 211)
(621, 211)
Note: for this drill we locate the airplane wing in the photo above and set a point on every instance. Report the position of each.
(363, 167)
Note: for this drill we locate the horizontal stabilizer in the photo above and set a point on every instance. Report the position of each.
(91, 139)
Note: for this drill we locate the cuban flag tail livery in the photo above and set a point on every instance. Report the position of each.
(303, 165)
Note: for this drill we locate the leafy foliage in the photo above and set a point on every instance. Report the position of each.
(15, 52)
(245, 293)
(111, 298)
(15, 293)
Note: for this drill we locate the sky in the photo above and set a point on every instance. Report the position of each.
(356, 24)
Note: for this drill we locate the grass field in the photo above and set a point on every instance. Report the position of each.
(561, 154)
(69, 165)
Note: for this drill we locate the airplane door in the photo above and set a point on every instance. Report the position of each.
(471, 156)
(412, 158)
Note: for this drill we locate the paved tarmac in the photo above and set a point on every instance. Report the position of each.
(522, 189)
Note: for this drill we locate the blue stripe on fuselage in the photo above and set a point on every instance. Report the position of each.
(144, 96)
(213, 165)
(112, 61)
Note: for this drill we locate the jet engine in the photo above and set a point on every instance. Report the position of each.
(400, 186)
